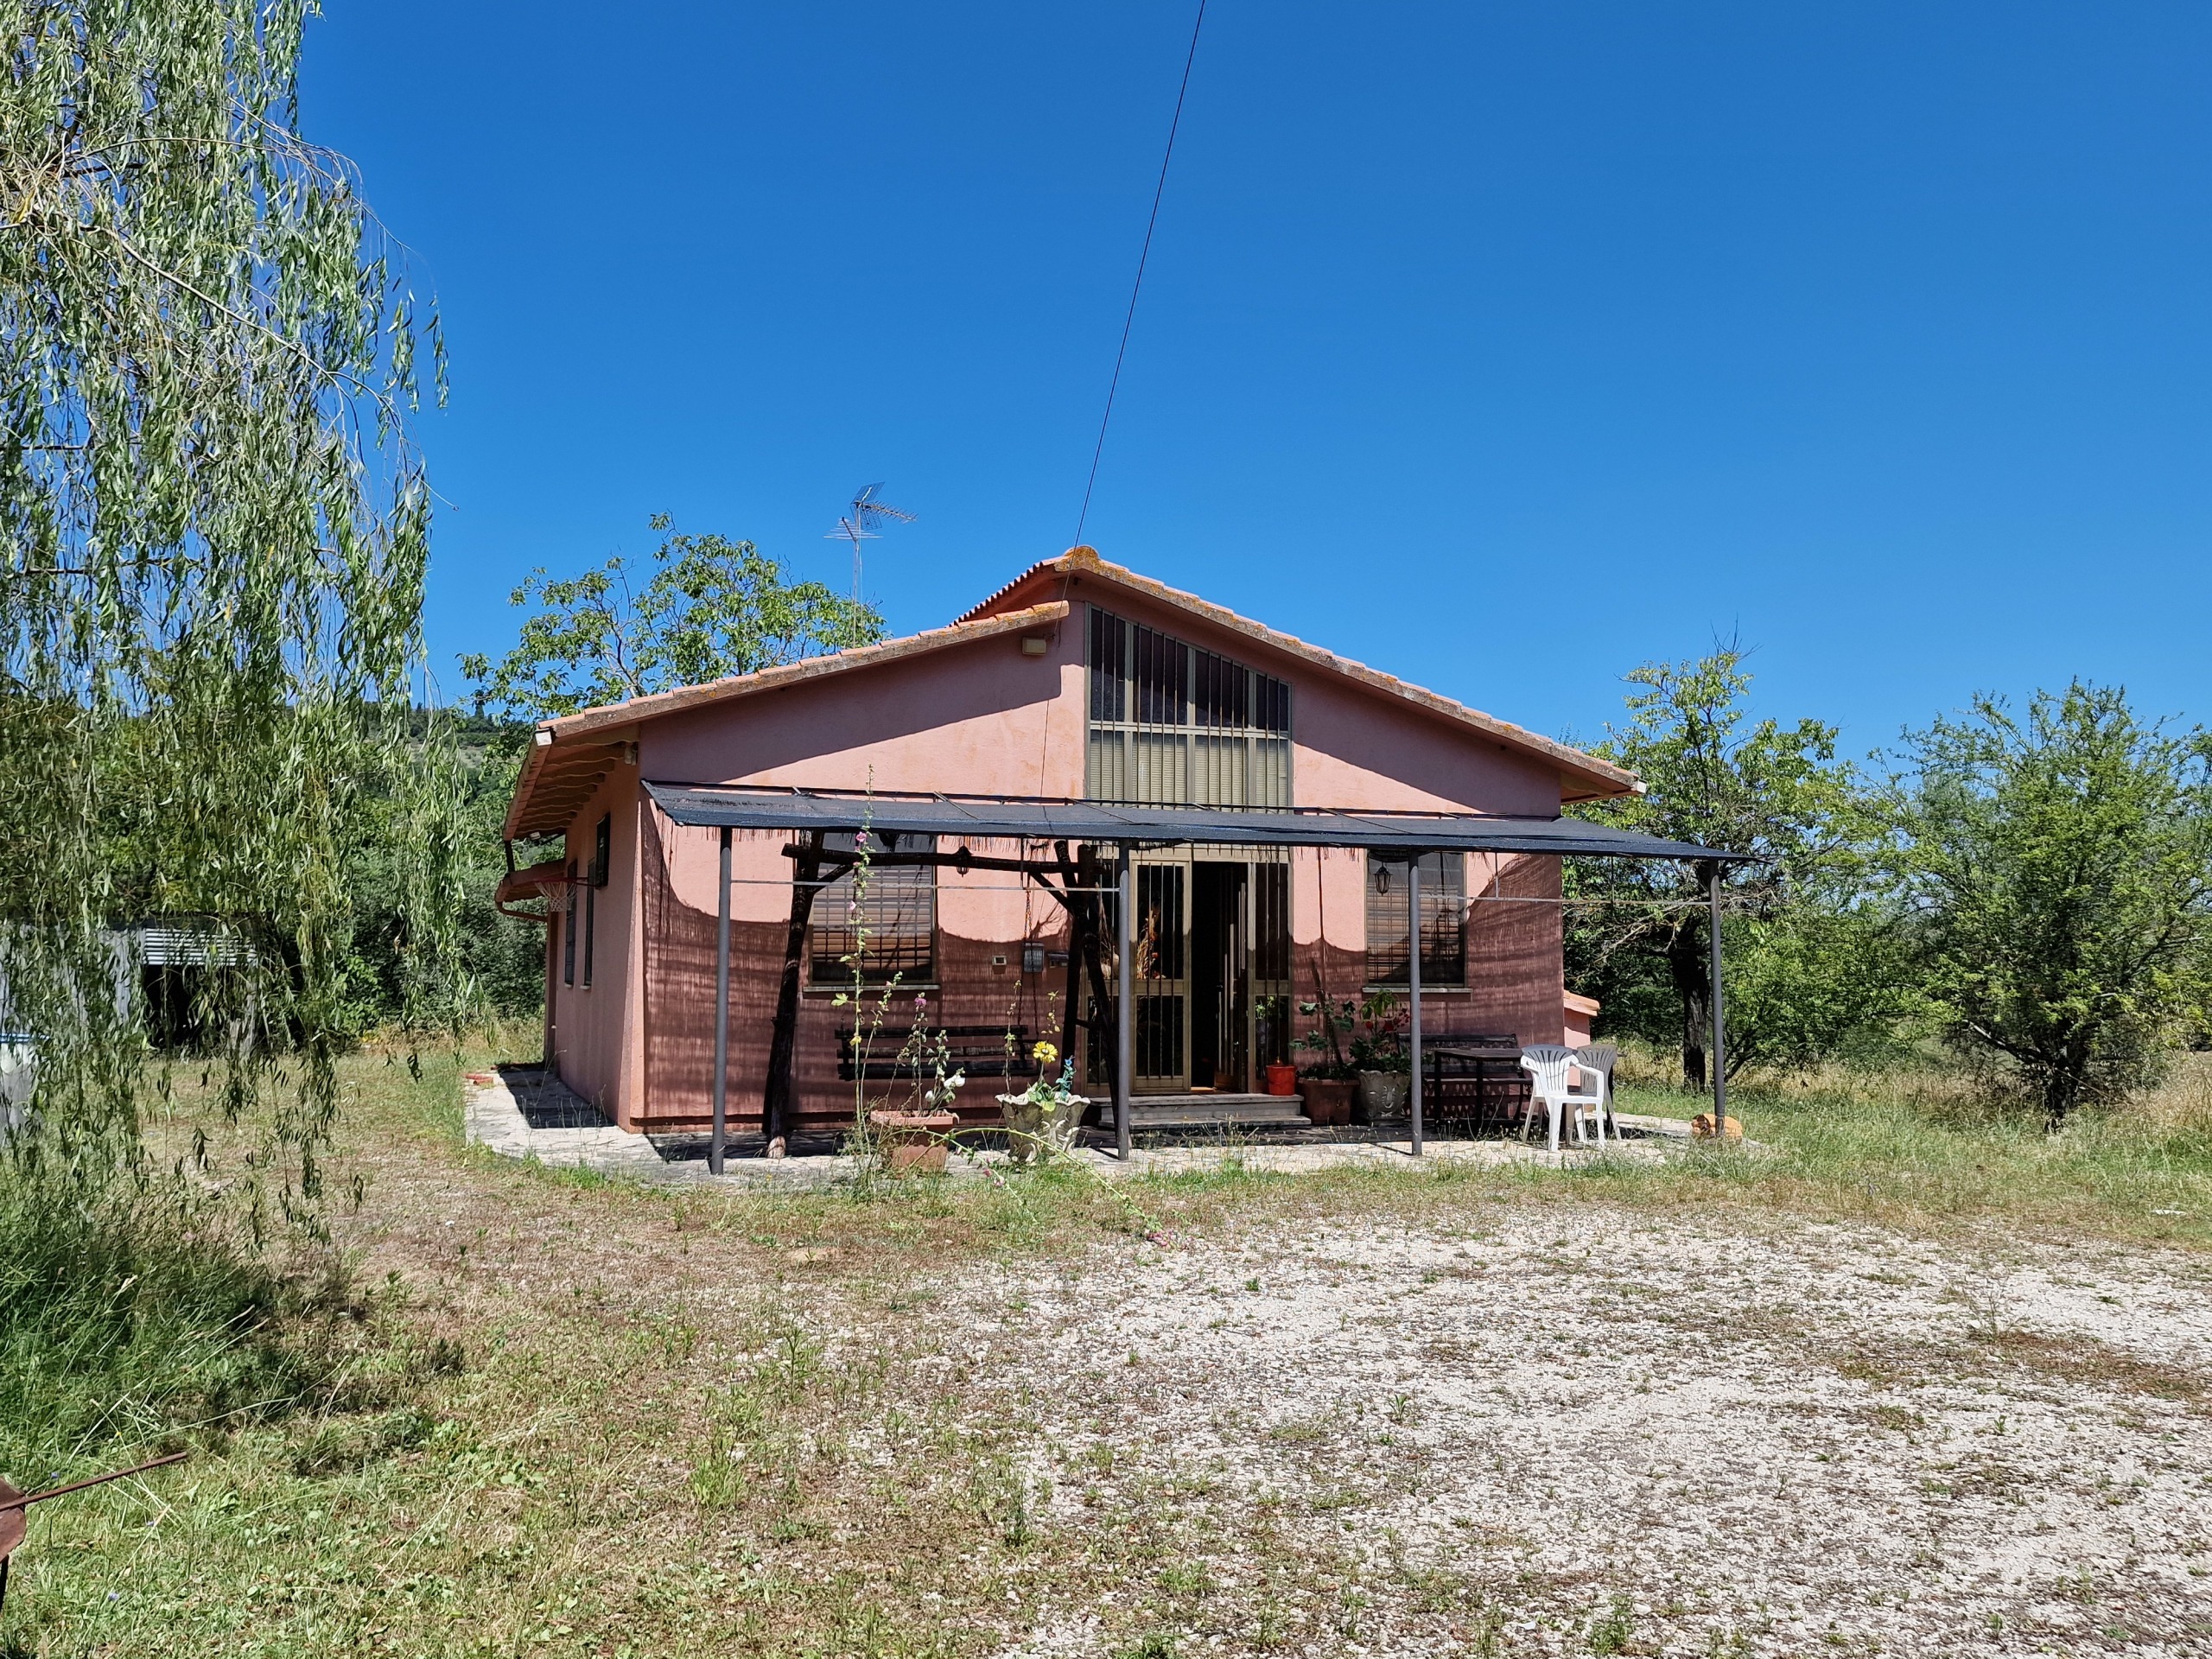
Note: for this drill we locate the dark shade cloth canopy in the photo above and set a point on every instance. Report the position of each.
(1099, 822)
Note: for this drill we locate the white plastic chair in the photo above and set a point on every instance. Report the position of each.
(1547, 1065)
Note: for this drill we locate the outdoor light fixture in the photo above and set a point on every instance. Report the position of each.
(1034, 644)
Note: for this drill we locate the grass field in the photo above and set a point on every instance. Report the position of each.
(1916, 1377)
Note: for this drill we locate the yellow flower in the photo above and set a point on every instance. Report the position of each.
(1043, 1053)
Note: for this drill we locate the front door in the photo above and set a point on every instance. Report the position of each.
(1161, 931)
(1220, 978)
(1212, 971)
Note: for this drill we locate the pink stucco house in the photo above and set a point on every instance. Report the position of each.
(1079, 683)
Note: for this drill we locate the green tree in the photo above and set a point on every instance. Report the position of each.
(707, 608)
(1809, 959)
(499, 961)
(2056, 870)
(213, 529)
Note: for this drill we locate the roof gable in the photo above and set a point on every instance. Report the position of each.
(1582, 777)
(572, 756)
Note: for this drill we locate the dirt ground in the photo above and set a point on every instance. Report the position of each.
(1582, 1431)
(1355, 1412)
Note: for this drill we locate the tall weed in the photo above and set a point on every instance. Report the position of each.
(129, 1312)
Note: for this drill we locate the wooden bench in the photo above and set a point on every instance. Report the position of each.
(979, 1051)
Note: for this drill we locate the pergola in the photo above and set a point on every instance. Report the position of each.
(813, 815)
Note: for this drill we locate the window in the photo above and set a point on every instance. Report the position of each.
(888, 928)
(1172, 725)
(595, 879)
(1271, 1000)
(1443, 912)
(569, 927)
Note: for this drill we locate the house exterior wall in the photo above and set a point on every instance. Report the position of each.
(596, 1029)
(980, 717)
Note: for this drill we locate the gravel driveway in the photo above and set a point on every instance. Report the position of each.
(1587, 1431)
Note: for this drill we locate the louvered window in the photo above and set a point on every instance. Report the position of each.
(884, 927)
(1172, 725)
(1443, 917)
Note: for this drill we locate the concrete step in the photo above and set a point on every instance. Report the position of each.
(1170, 1111)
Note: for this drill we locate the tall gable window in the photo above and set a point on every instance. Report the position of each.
(1172, 725)
(885, 928)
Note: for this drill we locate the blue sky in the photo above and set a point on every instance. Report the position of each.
(1502, 347)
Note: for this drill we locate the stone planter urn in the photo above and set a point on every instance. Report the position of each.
(1385, 1096)
(914, 1142)
(1036, 1130)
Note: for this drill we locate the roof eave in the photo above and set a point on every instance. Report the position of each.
(607, 725)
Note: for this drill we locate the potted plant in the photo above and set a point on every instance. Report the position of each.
(914, 1141)
(1378, 1054)
(1328, 1083)
(1041, 1121)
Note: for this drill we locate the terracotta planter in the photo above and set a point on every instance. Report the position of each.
(912, 1142)
(1328, 1100)
(1385, 1097)
(1282, 1079)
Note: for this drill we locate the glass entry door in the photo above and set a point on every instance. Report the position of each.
(1221, 1011)
(1212, 971)
(1160, 928)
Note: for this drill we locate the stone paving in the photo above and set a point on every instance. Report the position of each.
(522, 1114)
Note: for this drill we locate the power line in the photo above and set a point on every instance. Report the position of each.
(1137, 287)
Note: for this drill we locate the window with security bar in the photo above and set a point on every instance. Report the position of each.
(1172, 725)
(881, 928)
(1443, 919)
(569, 926)
(1271, 992)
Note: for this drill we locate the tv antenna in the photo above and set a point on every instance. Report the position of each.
(858, 526)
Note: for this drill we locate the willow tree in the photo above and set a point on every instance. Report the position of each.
(214, 527)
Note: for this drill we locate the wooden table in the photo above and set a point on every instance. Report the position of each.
(1472, 1081)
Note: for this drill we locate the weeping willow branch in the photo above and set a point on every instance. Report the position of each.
(213, 533)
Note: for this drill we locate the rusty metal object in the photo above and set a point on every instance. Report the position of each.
(14, 1524)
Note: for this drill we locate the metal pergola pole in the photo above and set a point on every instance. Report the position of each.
(1125, 1041)
(721, 1015)
(1413, 987)
(1719, 1013)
